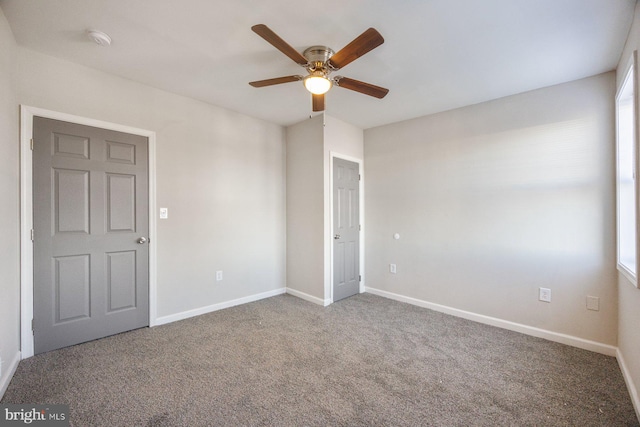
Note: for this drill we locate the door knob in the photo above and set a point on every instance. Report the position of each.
(337, 236)
(142, 240)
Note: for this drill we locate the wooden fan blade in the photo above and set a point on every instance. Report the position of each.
(362, 44)
(266, 33)
(362, 87)
(318, 102)
(276, 81)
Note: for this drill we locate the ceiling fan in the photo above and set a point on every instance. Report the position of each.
(320, 61)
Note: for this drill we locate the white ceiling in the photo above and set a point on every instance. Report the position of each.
(438, 54)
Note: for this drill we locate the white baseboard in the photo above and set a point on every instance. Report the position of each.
(597, 347)
(8, 372)
(633, 391)
(215, 307)
(307, 297)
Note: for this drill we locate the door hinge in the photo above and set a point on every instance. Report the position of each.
(359, 227)
(359, 278)
(33, 325)
(32, 235)
(31, 144)
(359, 176)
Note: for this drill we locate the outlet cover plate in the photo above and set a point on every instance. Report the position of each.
(392, 269)
(545, 295)
(593, 303)
(219, 275)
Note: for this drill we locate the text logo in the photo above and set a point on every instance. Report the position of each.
(34, 415)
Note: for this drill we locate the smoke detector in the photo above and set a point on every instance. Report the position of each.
(99, 37)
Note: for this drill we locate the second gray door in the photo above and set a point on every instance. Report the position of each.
(91, 256)
(346, 226)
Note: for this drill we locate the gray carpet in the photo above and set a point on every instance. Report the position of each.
(364, 361)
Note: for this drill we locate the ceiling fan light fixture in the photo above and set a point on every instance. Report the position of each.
(320, 62)
(317, 83)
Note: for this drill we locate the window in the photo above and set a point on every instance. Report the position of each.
(626, 185)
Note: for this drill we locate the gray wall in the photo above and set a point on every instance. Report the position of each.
(495, 200)
(305, 209)
(9, 209)
(629, 295)
(220, 173)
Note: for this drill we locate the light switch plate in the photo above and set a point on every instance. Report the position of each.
(164, 213)
(544, 294)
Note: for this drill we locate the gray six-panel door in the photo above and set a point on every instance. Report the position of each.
(346, 227)
(91, 255)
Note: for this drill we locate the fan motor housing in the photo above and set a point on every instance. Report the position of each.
(316, 54)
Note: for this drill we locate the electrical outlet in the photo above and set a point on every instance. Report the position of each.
(593, 303)
(164, 213)
(545, 295)
(392, 269)
(218, 275)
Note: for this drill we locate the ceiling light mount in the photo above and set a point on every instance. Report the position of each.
(99, 37)
(318, 54)
(318, 82)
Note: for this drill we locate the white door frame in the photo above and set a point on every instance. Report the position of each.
(329, 238)
(26, 213)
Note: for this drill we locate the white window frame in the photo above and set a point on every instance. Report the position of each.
(630, 77)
